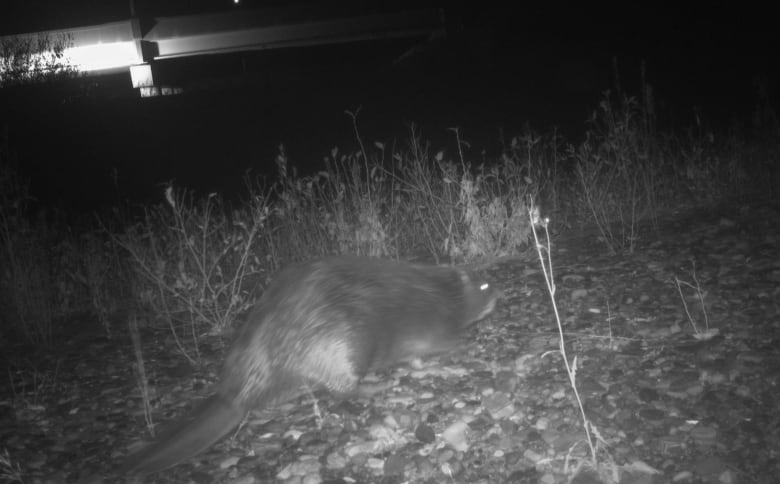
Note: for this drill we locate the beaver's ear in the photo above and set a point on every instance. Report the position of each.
(465, 278)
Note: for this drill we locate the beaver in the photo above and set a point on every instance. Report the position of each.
(325, 324)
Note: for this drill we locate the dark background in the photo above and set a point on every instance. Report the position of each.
(498, 69)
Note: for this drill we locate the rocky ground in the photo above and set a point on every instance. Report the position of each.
(673, 392)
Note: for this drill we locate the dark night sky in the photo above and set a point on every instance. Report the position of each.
(497, 69)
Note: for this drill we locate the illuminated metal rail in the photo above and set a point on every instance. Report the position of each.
(136, 45)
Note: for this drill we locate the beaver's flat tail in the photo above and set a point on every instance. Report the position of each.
(211, 421)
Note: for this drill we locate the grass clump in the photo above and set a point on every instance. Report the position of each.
(193, 264)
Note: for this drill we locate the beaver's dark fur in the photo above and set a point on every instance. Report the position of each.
(326, 323)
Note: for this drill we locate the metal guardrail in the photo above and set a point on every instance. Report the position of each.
(127, 45)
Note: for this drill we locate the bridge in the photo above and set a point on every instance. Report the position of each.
(139, 46)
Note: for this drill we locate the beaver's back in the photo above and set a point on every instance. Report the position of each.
(327, 322)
